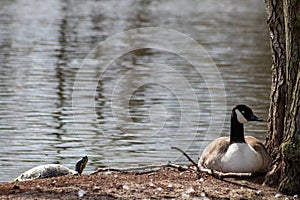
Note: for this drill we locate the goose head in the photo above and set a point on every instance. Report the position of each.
(244, 114)
(240, 115)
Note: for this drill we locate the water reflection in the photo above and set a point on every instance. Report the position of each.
(42, 45)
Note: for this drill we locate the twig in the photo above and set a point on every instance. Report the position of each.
(221, 175)
(181, 167)
(189, 158)
(134, 170)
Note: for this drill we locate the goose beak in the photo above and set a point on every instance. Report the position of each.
(254, 118)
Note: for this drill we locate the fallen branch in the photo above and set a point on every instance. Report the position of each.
(188, 157)
(221, 175)
(154, 168)
(134, 170)
(181, 167)
(143, 170)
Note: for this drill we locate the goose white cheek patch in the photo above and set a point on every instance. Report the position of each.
(240, 117)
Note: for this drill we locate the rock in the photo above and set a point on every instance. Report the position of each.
(190, 190)
(278, 195)
(125, 187)
(81, 193)
(151, 184)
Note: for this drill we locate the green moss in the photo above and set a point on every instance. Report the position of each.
(290, 183)
(290, 150)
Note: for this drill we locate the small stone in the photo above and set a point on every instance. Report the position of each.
(125, 187)
(278, 195)
(151, 184)
(81, 193)
(258, 192)
(202, 194)
(96, 188)
(190, 190)
(170, 185)
(201, 180)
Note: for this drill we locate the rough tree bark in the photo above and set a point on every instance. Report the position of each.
(283, 141)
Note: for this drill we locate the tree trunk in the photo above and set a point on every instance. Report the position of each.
(284, 115)
(278, 88)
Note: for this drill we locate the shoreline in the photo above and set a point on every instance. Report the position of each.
(165, 183)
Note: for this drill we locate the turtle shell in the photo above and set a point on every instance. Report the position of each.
(45, 171)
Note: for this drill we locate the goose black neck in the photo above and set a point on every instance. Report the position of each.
(236, 131)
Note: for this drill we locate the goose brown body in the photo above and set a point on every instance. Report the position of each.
(214, 154)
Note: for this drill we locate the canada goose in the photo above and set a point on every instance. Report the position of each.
(237, 153)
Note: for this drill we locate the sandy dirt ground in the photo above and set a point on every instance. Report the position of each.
(165, 183)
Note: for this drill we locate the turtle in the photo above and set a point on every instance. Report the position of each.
(52, 170)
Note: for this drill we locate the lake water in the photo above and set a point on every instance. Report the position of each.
(73, 83)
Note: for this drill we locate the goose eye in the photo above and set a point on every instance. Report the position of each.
(243, 112)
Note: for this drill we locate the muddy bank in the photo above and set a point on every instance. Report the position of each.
(167, 183)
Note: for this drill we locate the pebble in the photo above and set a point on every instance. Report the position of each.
(151, 184)
(202, 194)
(53, 182)
(190, 190)
(258, 192)
(125, 187)
(278, 195)
(81, 193)
(96, 188)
